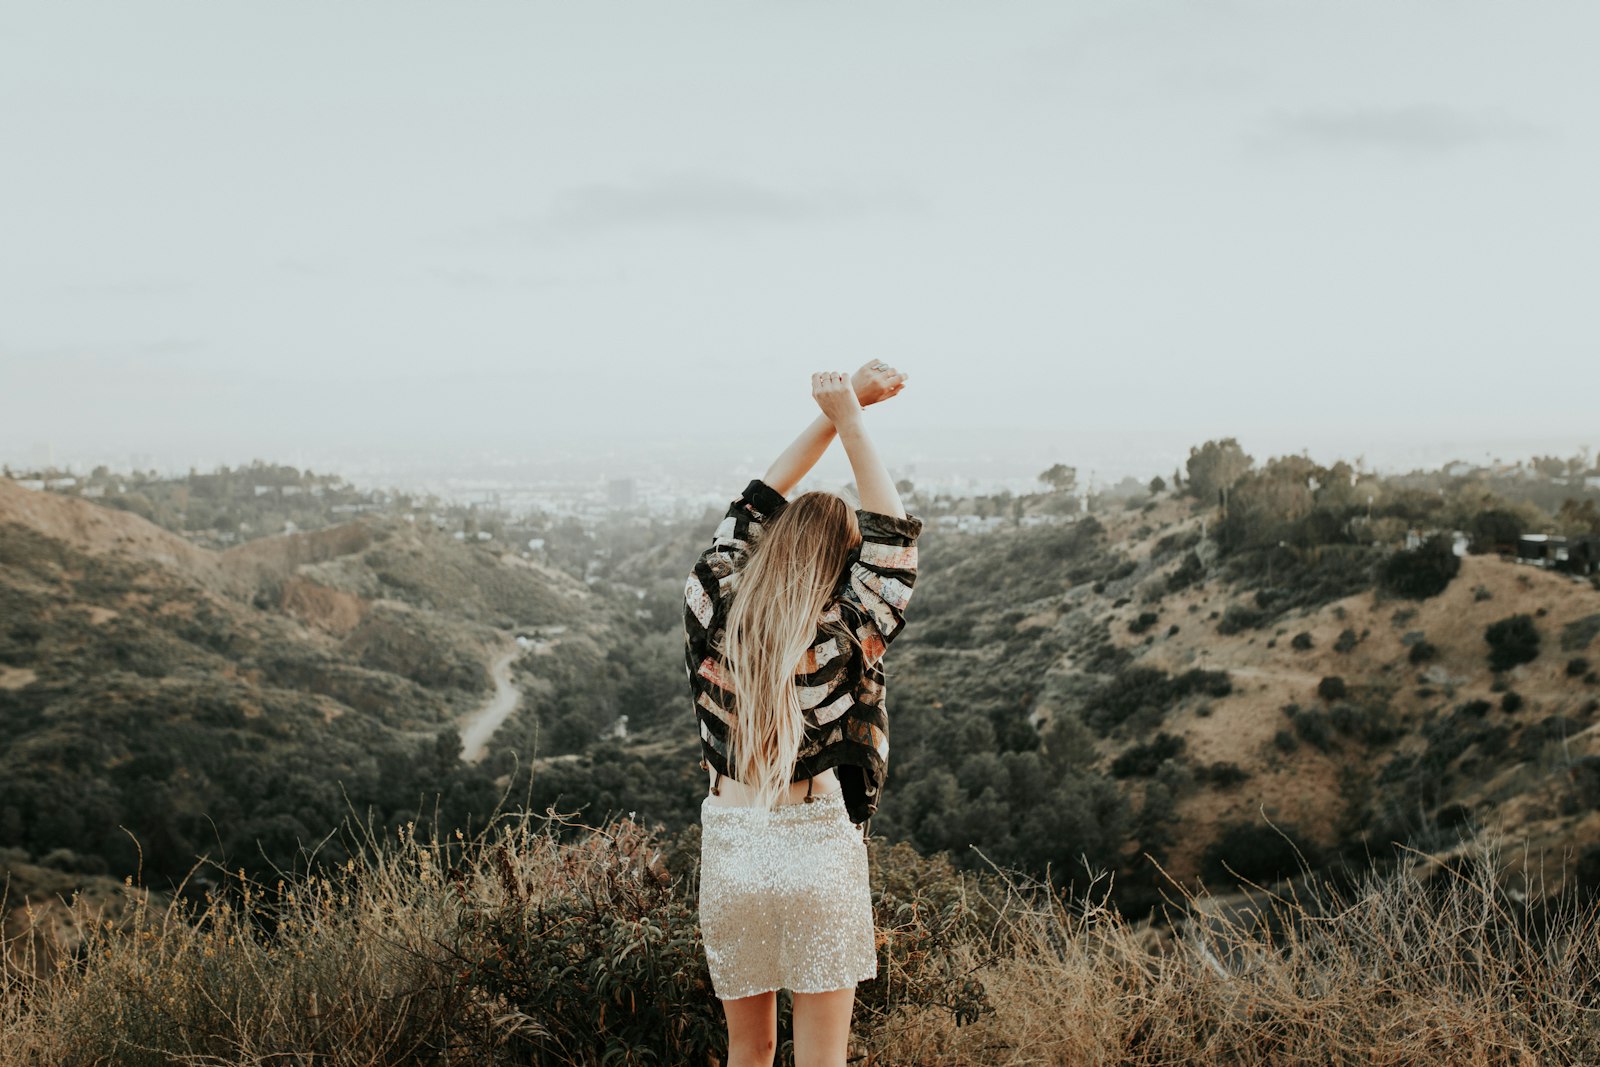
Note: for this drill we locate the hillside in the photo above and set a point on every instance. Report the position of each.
(1153, 681)
(1407, 748)
(161, 701)
(1123, 685)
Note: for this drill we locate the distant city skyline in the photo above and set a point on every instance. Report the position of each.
(1099, 232)
(996, 459)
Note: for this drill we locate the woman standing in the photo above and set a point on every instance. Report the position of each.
(787, 616)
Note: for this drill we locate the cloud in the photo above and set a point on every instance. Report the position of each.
(1418, 129)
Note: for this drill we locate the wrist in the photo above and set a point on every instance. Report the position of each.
(849, 421)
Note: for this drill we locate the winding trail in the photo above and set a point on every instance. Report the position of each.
(477, 728)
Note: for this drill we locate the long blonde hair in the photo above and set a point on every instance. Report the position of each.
(786, 582)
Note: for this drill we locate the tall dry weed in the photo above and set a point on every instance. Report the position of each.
(538, 940)
(1450, 970)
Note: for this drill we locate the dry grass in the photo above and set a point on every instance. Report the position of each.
(1397, 972)
(376, 963)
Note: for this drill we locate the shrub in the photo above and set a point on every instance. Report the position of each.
(1423, 652)
(1576, 635)
(1238, 617)
(1332, 688)
(1511, 702)
(1346, 643)
(1148, 688)
(1421, 572)
(1312, 727)
(1145, 620)
(1222, 775)
(1577, 667)
(1255, 853)
(1189, 571)
(1512, 640)
(1285, 741)
(1142, 761)
(1301, 642)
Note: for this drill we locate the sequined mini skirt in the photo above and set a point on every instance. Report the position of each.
(784, 898)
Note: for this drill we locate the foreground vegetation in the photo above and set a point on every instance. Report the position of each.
(538, 941)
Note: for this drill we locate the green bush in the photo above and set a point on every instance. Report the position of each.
(1247, 851)
(1238, 617)
(1134, 689)
(1512, 640)
(1141, 761)
(1420, 572)
(1145, 620)
(1314, 728)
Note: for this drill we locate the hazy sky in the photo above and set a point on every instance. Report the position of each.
(241, 227)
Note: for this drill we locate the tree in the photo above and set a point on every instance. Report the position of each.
(1214, 466)
(1060, 478)
(1550, 466)
(1157, 484)
(1578, 519)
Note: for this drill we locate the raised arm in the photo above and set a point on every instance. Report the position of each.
(875, 381)
(874, 485)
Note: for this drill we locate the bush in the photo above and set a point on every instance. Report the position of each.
(1512, 640)
(1301, 642)
(1238, 617)
(1145, 620)
(1332, 688)
(1577, 667)
(1135, 689)
(1221, 775)
(1511, 702)
(1312, 727)
(1255, 853)
(1421, 572)
(1142, 761)
(1423, 652)
(1346, 643)
(1576, 635)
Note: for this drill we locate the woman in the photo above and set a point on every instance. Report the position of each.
(787, 616)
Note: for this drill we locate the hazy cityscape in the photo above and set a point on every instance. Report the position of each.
(679, 477)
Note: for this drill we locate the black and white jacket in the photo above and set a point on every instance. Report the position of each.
(841, 687)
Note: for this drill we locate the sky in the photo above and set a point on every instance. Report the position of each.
(245, 229)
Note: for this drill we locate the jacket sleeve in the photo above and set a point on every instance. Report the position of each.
(705, 591)
(880, 577)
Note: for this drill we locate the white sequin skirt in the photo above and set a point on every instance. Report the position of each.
(784, 898)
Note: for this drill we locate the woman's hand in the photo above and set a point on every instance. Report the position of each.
(877, 381)
(836, 396)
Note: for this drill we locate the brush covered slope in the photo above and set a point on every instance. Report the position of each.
(161, 701)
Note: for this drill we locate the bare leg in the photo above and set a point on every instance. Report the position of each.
(752, 1029)
(822, 1027)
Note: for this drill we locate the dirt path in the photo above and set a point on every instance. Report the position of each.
(477, 728)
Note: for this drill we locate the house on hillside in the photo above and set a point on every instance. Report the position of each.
(1574, 555)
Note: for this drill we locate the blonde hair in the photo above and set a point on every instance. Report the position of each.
(786, 582)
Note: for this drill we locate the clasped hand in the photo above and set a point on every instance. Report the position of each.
(873, 383)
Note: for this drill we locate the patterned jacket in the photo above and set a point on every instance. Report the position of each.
(841, 687)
